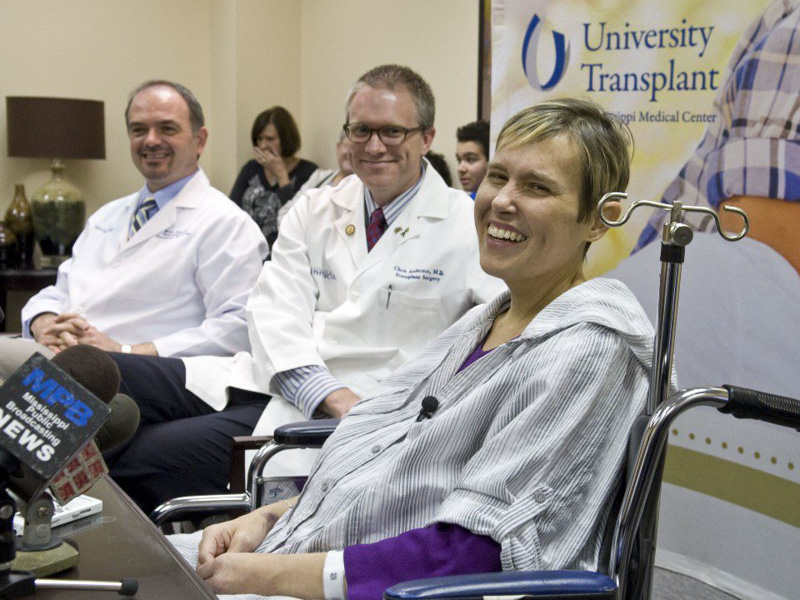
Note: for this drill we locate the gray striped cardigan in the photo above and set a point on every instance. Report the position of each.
(526, 445)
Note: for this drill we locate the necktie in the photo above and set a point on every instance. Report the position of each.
(377, 225)
(145, 212)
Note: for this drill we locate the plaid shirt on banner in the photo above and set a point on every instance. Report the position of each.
(752, 148)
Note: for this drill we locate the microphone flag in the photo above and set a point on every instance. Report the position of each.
(79, 475)
(46, 419)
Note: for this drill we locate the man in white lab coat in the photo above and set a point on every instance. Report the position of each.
(165, 271)
(362, 276)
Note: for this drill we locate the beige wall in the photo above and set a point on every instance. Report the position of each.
(344, 38)
(239, 57)
(97, 49)
(268, 62)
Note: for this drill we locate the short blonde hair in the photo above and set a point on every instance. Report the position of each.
(604, 143)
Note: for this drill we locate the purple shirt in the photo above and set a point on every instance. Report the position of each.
(434, 551)
(479, 352)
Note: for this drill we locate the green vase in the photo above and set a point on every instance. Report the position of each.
(59, 212)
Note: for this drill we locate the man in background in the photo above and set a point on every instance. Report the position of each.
(472, 155)
(165, 271)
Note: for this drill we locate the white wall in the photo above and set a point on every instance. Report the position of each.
(268, 61)
(344, 38)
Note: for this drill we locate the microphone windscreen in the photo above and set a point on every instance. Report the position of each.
(430, 404)
(93, 368)
(121, 424)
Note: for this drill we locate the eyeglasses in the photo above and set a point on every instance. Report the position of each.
(389, 135)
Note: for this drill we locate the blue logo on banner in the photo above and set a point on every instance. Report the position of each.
(529, 47)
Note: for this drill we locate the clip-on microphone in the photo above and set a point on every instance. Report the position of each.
(429, 406)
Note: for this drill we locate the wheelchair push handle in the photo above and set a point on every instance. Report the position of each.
(745, 403)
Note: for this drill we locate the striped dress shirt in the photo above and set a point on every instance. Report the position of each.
(526, 445)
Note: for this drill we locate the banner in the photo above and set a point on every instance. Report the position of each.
(708, 90)
(657, 66)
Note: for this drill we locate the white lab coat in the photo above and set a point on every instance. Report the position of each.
(181, 282)
(324, 300)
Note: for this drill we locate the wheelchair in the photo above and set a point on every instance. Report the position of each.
(627, 558)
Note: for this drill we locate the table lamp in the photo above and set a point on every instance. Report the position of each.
(56, 128)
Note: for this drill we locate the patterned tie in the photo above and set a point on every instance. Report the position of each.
(377, 225)
(146, 211)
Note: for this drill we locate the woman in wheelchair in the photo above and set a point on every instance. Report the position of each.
(514, 463)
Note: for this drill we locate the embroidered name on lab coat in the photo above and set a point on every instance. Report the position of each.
(432, 275)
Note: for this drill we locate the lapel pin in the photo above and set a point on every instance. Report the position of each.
(350, 229)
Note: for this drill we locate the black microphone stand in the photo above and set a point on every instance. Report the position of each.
(39, 550)
(12, 583)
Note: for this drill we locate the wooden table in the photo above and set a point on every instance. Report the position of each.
(121, 542)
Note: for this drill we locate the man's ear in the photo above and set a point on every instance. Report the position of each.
(612, 210)
(427, 139)
(202, 138)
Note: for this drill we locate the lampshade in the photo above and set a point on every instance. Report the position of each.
(55, 127)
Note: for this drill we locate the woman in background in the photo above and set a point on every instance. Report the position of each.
(275, 175)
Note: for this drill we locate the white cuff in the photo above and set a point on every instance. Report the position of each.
(333, 576)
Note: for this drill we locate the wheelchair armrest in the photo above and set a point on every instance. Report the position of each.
(250, 442)
(305, 433)
(237, 470)
(308, 434)
(554, 585)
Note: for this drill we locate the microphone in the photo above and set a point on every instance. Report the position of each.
(82, 371)
(97, 371)
(429, 406)
(46, 418)
(93, 368)
(121, 425)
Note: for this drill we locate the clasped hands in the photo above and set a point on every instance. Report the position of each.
(228, 563)
(226, 559)
(58, 332)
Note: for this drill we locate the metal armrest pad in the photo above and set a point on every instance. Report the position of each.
(539, 584)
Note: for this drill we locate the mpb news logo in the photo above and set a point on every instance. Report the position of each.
(530, 52)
